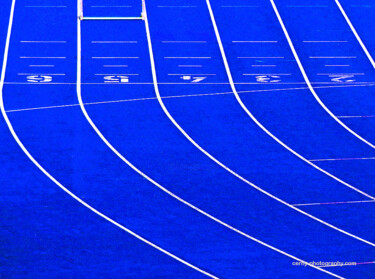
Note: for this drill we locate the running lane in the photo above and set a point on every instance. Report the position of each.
(140, 131)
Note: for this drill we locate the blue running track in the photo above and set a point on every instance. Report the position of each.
(209, 139)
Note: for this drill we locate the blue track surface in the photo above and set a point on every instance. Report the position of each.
(214, 139)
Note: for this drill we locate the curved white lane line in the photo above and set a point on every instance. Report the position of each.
(355, 33)
(238, 98)
(15, 136)
(114, 150)
(302, 70)
(156, 87)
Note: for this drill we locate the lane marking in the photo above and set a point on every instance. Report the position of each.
(114, 42)
(263, 65)
(333, 203)
(42, 74)
(355, 33)
(115, 66)
(325, 41)
(308, 81)
(356, 116)
(190, 66)
(333, 57)
(256, 42)
(103, 57)
(153, 68)
(336, 65)
(342, 159)
(184, 42)
(187, 57)
(43, 42)
(267, 74)
(42, 57)
(262, 57)
(191, 74)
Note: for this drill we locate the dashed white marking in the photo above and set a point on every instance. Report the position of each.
(186, 57)
(42, 66)
(267, 74)
(333, 203)
(336, 65)
(325, 41)
(184, 42)
(341, 159)
(114, 42)
(42, 74)
(333, 57)
(261, 57)
(44, 42)
(115, 66)
(256, 42)
(115, 57)
(190, 66)
(41, 57)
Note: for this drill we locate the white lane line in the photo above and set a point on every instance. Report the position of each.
(42, 57)
(238, 6)
(227, 68)
(268, 74)
(262, 57)
(191, 74)
(184, 42)
(190, 66)
(336, 65)
(111, 6)
(43, 74)
(187, 57)
(118, 74)
(42, 66)
(113, 57)
(355, 33)
(115, 66)
(46, 6)
(177, 6)
(172, 96)
(342, 159)
(43, 42)
(263, 66)
(325, 41)
(333, 57)
(340, 74)
(306, 6)
(308, 81)
(114, 42)
(333, 203)
(15, 136)
(256, 42)
(156, 87)
(356, 116)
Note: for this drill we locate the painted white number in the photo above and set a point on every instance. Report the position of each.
(342, 78)
(268, 78)
(193, 79)
(39, 78)
(116, 79)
